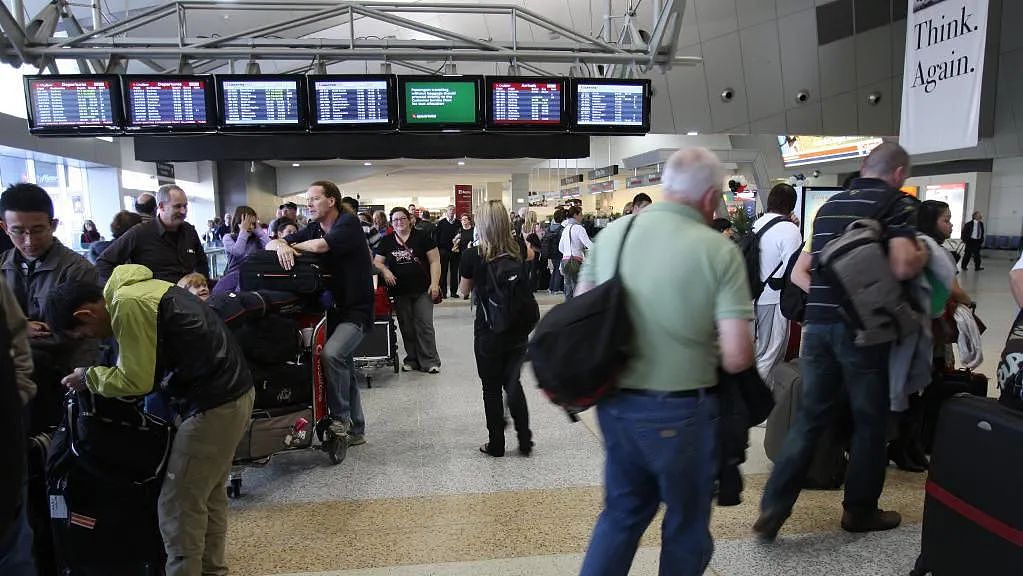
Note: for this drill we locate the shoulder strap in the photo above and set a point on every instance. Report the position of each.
(621, 247)
(762, 231)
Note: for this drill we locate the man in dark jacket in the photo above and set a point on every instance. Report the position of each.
(973, 238)
(168, 245)
(36, 264)
(171, 339)
(446, 230)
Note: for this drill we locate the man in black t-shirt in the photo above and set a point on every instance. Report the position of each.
(339, 238)
(834, 365)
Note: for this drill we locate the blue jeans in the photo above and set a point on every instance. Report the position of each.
(830, 359)
(659, 449)
(343, 399)
(16, 546)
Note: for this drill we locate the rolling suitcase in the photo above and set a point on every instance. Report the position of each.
(945, 385)
(827, 469)
(973, 516)
(37, 505)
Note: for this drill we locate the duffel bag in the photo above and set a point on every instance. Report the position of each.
(269, 340)
(262, 271)
(282, 384)
(273, 431)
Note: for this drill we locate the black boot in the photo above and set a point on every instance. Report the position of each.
(898, 454)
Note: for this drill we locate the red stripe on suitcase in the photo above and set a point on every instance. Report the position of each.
(974, 514)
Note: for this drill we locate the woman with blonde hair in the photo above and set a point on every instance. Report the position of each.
(488, 269)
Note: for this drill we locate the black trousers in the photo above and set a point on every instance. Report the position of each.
(972, 251)
(445, 261)
(499, 362)
(454, 276)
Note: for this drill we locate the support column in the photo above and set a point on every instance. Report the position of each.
(519, 191)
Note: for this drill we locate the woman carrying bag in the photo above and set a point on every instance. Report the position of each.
(499, 356)
(409, 262)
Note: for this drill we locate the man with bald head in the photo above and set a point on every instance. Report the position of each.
(691, 312)
(145, 206)
(168, 246)
(833, 365)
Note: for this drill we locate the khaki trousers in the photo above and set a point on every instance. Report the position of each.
(193, 500)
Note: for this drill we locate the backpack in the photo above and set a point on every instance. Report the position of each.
(549, 245)
(874, 303)
(792, 300)
(580, 347)
(508, 304)
(750, 247)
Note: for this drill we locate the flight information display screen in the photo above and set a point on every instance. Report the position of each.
(525, 103)
(68, 103)
(154, 102)
(349, 102)
(252, 102)
(434, 103)
(610, 104)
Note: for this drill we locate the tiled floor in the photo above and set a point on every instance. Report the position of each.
(419, 499)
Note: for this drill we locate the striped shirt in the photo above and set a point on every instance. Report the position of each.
(865, 197)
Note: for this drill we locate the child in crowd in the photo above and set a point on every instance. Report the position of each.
(196, 284)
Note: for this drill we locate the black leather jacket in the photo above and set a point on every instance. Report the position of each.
(199, 364)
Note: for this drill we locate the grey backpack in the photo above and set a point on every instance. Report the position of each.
(874, 302)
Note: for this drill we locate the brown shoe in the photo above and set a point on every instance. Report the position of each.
(876, 521)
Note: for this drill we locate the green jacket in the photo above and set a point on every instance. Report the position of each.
(133, 299)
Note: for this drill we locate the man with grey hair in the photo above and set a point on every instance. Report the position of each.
(691, 311)
(168, 245)
(833, 365)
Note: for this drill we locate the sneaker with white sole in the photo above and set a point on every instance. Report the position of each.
(406, 367)
(356, 439)
(433, 370)
(339, 428)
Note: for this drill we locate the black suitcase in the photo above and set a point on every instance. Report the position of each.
(269, 340)
(38, 505)
(282, 384)
(379, 343)
(973, 515)
(943, 386)
(262, 271)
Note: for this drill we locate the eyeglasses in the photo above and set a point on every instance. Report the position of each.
(20, 232)
(399, 219)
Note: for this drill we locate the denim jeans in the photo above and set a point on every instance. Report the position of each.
(343, 399)
(557, 280)
(659, 449)
(16, 546)
(830, 359)
(569, 286)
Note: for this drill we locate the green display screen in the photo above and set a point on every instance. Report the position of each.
(445, 102)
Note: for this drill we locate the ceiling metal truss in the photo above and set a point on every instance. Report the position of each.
(108, 47)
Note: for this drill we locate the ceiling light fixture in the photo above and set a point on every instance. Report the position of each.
(295, 164)
(692, 133)
(252, 67)
(367, 163)
(461, 162)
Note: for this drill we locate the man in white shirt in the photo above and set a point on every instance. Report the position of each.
(973, 238)
(573, 246)
(777, 245)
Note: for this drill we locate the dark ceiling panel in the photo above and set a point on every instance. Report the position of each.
(357, 147)
(834, 21)
(872, 14)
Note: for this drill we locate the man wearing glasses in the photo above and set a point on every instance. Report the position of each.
(36, 264)
(337, 235)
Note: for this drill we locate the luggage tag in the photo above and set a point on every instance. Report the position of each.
(58, 508)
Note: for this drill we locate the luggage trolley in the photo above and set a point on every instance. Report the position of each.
(293, 427)
(379, 349)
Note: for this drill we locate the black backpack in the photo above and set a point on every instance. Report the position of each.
(549, 245)
(580, 347)
(507, 303)
(793, 299)
(750, 246)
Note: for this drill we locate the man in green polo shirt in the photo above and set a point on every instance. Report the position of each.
(689, 301)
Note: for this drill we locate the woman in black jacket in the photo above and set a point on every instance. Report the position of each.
(499, 357)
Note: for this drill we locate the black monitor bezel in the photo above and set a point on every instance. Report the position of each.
(620, 129)
(476, 126)
(210, 98)
(392, 103)
(116, 107)
(493, 126)
(301, 99)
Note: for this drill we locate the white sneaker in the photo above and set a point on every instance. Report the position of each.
(433, 370)
(406, 367)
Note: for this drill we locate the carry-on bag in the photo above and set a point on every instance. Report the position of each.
(944, 385)
(271, 339)
(282, 384)
(262, 271)
(273, 431)
(38, 506)
(973, 515)
(828, 466)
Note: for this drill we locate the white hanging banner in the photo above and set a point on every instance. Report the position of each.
(945, 44)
